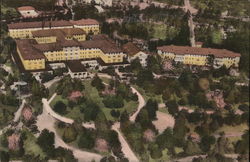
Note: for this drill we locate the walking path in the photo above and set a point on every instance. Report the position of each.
(51, 82)
(59, 117)
(128, 153)
(166, 119)
(17, 116)
(46, 121)
(140, 105)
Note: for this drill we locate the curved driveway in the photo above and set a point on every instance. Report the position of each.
(46, 121)
(140, 105)
(59, 117)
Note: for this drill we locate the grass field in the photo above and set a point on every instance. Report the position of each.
(5, 118)
(147, 96)
(92, 94)
(233, 129)
(32, 148)
(52, 89)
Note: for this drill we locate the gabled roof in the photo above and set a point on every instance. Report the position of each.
(25, 8)
(85, 22)
(27, 50)
(39, 24)
(131, 49)
(75, 66)
(185, 50)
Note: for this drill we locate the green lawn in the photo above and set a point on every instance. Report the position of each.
(105, 80)
(31, 147)
(52, 89)
(92, 94)
(5, 118)
(58, 98)
(161, 30)
(60, 131)
(147, 96)
(233, 129)
(165, 157)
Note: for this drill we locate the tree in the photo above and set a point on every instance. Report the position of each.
(90, 110)
(173, 107)
(113, 139)
(180, 129)
(69, 134)
(46, 141)
(101, 122)
(166, 139)
(4, 156)
(203, 84)
(143, 118)
(64, 154)
(60, 107)
(242, 146)
(144, 76)
(38, 90)
(222, 145)
(151, 106)
(97, 82)
(154, 63)
(115, 114)
(136, 65)
(113, 101)
(191, 148)
(206, 142)
(155, 151)
(86, 141)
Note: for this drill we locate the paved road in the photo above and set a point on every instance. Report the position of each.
(46, 121)
(128, 153)
(51, 82)
(188, 8)
(62, 118)
(141, 101)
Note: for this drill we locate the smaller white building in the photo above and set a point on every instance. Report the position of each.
(77, 70)
(92, 64)
(57, 65)
(134, 52)
(100, 2)
(27, 11)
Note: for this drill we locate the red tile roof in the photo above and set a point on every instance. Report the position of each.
(85, 22)
(39, 24)
(27, 51)
(184, 50)
(55, 32)
(105, 45)
(25, 8)
(75, 66)
(131, 49)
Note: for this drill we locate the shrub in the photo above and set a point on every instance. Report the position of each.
(69, 134)
(60, 107)
(115, 114)
(113, 101)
